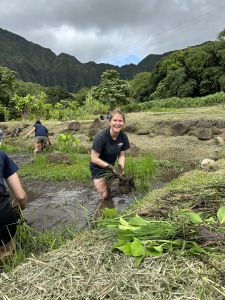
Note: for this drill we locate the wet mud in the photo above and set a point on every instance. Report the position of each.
(58, 204)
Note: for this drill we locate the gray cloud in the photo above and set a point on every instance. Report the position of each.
(118, 31)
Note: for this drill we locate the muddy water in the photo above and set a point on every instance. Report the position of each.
(57, 204)
(67, 203)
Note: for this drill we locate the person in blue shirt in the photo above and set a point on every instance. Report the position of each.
(41, 136)
(8, 214)
(109, 145)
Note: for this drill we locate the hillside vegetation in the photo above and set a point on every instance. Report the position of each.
(34, 63)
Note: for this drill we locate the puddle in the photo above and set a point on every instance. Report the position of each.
(57, 204)
(67, 203)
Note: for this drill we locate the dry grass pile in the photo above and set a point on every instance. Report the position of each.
(86, 268)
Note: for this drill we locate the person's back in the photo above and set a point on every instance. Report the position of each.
(41, 136)
(8, 216)
(41, 130)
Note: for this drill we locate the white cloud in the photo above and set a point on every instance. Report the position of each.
(118, 31)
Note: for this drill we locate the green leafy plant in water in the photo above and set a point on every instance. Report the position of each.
(139, 237)
(67, 142)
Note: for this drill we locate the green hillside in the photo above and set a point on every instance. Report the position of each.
(38, 64)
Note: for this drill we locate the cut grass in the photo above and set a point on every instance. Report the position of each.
(86, 268)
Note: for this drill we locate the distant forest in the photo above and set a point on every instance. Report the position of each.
(33, 63)
(62, 82)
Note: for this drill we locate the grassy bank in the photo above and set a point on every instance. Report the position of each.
(141, 168)
(87, 268)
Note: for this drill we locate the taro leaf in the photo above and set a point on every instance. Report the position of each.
(112, 226)
(126, 226)
(126, 249)
(61, 137)
(221, 214)
(137, 249)
(109, 212)
(119, 243)
(194, 217)
(138, 260)
(153, 252)
(138, 221)
(159, 248)
(123, 222)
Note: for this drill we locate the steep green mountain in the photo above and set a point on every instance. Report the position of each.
(38, 64)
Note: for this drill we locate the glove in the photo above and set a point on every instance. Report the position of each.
(121, 170)
(111, 167)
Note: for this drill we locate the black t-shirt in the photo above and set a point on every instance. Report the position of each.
(7, 168)
(108, 148)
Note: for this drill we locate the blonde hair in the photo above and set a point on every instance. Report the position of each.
(116, 111)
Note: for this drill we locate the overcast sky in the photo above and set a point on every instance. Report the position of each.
(114, 31)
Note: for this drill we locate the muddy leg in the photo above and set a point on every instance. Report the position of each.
(104, 194)
(102, 189)
(6, 251)
(37, 147)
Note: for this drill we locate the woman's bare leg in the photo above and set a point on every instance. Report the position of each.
(7, 249)
(102, 189)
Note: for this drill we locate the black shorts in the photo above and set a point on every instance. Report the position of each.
(7, 232)
(9, 219)
(97, 173)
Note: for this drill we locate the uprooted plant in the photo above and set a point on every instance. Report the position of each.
(188, 232)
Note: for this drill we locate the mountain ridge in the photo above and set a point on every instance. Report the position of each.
(38, 64)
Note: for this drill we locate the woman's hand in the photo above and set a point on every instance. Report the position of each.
(121, 169)
(114, 171)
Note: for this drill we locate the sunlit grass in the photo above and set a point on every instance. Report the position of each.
(41, 168)
(142, 169)
(8, 148)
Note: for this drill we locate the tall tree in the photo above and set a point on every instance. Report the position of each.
(142, 86)
(112, 90)
(7, 85)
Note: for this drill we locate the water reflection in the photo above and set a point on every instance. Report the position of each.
(56, 204)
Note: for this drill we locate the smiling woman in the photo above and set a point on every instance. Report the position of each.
(110, 144)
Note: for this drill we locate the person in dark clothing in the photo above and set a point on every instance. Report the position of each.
(41, 136)
(108, 146)
(1, 135)
(8, 214)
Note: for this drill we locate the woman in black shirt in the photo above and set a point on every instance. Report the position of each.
(109, 145)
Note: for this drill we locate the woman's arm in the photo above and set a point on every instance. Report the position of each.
(33, 129)
(96, 160)
(121, 161)
(14, 184)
